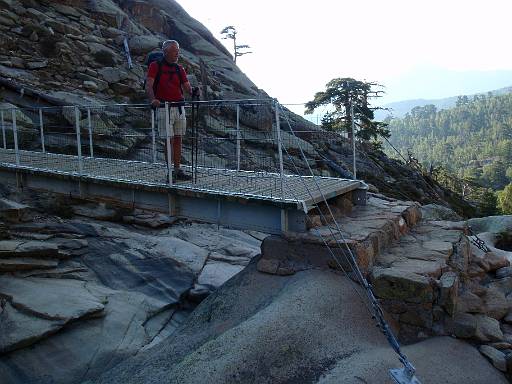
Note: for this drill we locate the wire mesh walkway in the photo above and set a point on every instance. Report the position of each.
(250, 184)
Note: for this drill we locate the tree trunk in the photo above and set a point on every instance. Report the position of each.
(234, 46)
(348, 118)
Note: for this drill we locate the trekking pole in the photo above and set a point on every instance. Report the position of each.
(195, 138)
(168, 145)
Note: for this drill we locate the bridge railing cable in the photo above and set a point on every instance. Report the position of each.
(406, 375)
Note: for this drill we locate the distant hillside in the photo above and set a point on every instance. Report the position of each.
(400, 108)
(472, 140)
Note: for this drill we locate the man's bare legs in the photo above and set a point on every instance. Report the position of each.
(176, 145)
(176, 151)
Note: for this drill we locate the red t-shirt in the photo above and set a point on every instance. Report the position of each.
(169, 86)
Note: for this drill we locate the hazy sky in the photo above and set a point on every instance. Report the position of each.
(410, 46)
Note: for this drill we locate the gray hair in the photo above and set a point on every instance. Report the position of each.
(166, 43)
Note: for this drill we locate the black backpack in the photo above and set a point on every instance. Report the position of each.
(159, 58)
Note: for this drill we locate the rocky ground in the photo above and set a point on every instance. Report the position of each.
(310, 327)
(429, 275)
(89, 290)
(80, 294)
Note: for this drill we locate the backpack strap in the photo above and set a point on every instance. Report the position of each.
(177, 70)
(157, 77)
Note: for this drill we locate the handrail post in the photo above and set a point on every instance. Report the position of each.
(279, 147)
(353, 140)
(15, 134)
(89, 128)
(78, 141)
(168, 143)
(41, 125)
(153, 138)
(3, 128)
(238, 137)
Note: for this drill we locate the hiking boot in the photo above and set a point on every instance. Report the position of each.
(179, 175)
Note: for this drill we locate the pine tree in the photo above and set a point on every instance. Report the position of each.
(344, 95)
(505, 200)
(230, 32)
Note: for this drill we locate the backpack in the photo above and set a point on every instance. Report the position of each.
(159, 58)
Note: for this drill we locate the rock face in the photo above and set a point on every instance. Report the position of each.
(423, 272)
(112, 290)
(308, 327)
(97, 291)
(13, 211)
(427, 275)
(54, 299)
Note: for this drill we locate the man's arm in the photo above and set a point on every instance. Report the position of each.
(150, 81)
(150, 94)
(187, 88)
(192, 92)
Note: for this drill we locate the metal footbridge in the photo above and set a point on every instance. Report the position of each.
(243, 173)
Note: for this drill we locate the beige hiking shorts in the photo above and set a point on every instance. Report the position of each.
(177, 121)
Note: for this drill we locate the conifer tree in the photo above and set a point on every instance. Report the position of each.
(342, 94)
(230, 32)
(505, 200)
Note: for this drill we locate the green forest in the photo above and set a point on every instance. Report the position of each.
(467, 148)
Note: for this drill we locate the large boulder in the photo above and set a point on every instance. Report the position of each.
(448, 291)
(308, 327)
(487, 329)
(496, 304)
(438, 212)
(493, 224)
(391, 283)
(464, 325)
(141, 45)
(496, 357)
(20, 329)
(57, 299)
(89, 347)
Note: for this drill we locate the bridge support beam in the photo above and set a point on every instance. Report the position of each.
(229, 211)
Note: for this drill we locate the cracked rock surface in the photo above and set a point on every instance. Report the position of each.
(310, 327)
(78, 295)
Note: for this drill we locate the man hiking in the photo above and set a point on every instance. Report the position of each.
(166, 81)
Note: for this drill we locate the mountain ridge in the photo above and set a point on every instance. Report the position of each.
(400, 108)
